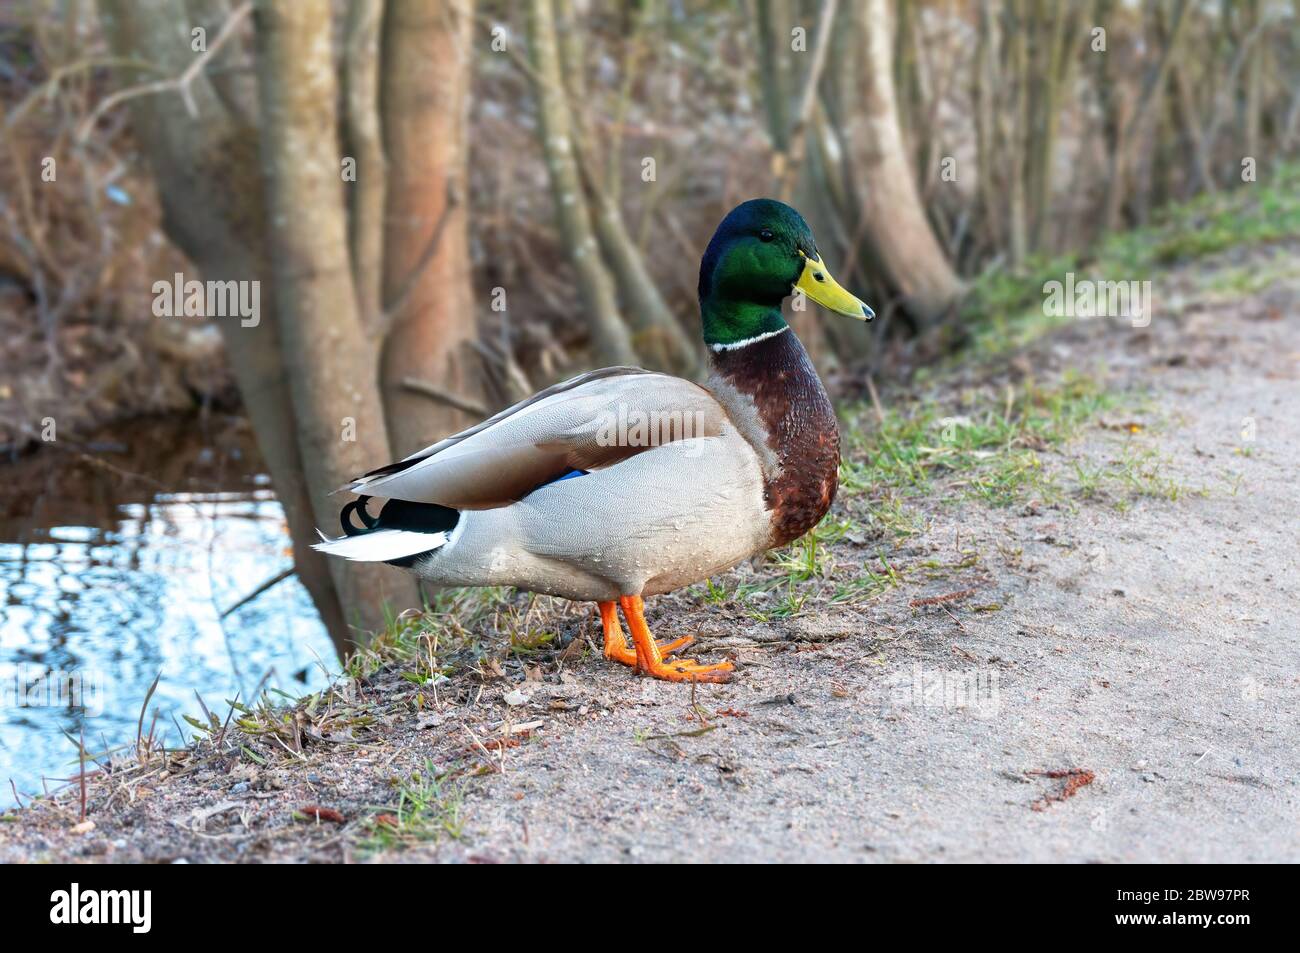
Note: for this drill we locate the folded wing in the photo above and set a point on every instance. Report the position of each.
(590, 422)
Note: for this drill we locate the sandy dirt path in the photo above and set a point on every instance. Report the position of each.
(1157, 648)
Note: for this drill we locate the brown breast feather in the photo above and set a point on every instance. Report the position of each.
(803, 433)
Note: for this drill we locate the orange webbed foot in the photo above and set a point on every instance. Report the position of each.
(668, 648)
(649, 655)
(685, 670)
(616, 647)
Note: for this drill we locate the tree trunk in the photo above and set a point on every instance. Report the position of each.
(895, 222)
(1152, 87)
(206, 170)
(1189, 119)
(792, 121)
(329, 365)
(364, 142)
(657, 335)
(796, 137)
(610, 339)
(773, 22)
(427, 289)
(1251, 102)
(1015, 120)
(985, 88)
(1055, 29)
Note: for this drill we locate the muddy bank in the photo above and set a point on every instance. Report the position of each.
(93, 370)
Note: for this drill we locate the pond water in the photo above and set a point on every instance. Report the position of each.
(117, 561)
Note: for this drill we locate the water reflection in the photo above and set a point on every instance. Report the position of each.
(116, 562)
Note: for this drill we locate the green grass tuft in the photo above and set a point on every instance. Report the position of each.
(428, 808)
(992, 447)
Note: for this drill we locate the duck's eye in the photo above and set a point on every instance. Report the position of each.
(766, 235)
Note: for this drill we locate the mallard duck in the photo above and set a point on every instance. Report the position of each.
(624, 483)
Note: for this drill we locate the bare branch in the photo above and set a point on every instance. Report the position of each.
(269, 584)
(367, 194)
(180, 84)
(464, 404)
(794, 155)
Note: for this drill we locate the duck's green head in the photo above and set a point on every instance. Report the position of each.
(760, 254)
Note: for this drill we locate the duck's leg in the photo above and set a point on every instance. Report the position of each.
(616, 647)
(650, 655)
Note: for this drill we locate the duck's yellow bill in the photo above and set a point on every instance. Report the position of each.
(816, 282)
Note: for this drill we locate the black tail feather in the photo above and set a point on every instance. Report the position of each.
(357, 506)
(399, 514)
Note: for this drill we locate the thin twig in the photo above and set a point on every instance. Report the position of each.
(46, 90)
(875, 400)
(81, 775)
(939, 600)
(465, 404)
(180, 84)
(270, 583)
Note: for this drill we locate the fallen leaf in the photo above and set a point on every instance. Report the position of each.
(315, 812)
